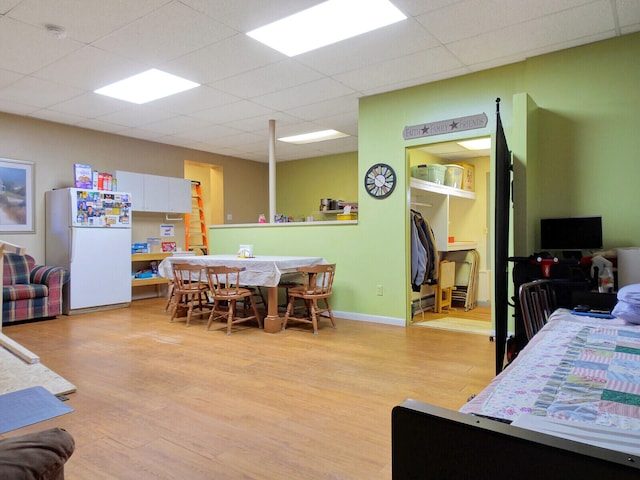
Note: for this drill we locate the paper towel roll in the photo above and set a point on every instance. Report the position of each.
(628, 266)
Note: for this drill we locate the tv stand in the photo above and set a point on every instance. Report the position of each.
(572, 254)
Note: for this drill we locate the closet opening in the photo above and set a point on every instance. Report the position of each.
(450, 190)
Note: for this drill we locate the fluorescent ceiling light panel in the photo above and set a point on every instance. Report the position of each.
(476, 144)
(147, 86)
(312, 137)
(326, 23)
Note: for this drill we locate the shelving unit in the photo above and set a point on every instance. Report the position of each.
(433, 200)
(138, 258)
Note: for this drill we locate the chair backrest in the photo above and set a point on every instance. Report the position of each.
(223, 280)
(318, 279)
(537, 303)
(187, 277)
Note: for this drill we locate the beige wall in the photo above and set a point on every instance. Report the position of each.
(54, 148)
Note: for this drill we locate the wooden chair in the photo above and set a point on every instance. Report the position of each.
(317, 284)
(537, 303)
(445, 287)
(224, 283)
(189, 290)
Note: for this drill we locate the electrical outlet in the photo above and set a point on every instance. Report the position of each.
(379, 290)
(229, 216)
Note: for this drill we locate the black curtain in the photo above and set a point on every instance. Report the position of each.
(503, 209)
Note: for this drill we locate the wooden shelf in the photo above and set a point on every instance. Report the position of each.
(139, 282)
(148, 257)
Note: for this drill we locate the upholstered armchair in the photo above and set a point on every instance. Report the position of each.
(31, 291)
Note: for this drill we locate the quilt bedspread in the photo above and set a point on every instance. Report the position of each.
(575, 369)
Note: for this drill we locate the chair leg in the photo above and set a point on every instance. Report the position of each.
(288, 312)
(232, 307)
(255, 311)
(212, 314)
(333, 321)
(189, 299)
(314, 318)
(174, 308)
(169, 297)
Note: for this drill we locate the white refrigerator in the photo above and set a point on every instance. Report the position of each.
(89, 233)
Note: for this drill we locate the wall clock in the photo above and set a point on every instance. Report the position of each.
(380, 180)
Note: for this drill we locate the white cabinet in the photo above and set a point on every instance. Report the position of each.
(155, 193)
(132, 183)
(433, 201)
(179, 195)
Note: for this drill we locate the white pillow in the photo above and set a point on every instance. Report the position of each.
(626, 311)
(628, 306)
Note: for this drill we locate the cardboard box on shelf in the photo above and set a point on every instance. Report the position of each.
(468, 181)
(169, 246)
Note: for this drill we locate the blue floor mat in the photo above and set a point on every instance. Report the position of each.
(26, 407)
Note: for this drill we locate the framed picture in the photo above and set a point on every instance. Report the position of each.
(16, 196)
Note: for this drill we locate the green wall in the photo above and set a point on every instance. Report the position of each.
(300, 184)
(569, 118)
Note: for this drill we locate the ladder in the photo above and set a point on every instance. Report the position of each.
(194, 223)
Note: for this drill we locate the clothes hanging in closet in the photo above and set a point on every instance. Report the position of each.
(424, 253)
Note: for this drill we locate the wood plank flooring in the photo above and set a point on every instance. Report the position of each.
(158, 400)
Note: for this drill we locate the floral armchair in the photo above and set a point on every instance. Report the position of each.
(30, 291)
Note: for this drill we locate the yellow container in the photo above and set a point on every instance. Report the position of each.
(347, 216)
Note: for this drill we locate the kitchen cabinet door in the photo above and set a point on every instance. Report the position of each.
(179, 195)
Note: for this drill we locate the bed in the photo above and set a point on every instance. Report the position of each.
(573, 390)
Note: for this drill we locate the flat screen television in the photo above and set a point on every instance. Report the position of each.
(571, 233)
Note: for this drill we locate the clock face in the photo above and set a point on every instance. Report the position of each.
(380, 180)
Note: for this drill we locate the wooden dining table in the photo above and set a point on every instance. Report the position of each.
(258, 271)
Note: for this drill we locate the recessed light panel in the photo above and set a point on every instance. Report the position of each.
(312, 137)
(326, 23)
(476, 144)
(147, 86)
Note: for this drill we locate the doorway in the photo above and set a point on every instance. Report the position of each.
(212, 185)
(464, 222)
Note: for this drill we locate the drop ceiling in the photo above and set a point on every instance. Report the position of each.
(51, 76)
(453, 151)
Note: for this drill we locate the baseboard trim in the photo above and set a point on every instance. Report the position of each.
(361, 317)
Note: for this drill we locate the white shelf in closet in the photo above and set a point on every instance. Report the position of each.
(432, 199)
(423, 185)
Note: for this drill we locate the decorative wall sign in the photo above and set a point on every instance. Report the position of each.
(16, 196)
(445, 126)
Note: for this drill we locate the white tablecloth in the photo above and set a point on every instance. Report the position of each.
(260, 271)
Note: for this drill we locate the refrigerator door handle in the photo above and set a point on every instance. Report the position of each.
(72, 235)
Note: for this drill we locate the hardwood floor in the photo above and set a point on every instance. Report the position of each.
(478, 313)
(159, 400)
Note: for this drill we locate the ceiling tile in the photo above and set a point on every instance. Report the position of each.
(306, 94)
(37, 92)
(270, 78)
(36, 47)
(223, 59)
(244, 83)
(534, 34)
(413, 66)
(85, 20)
(399, 39)
(235, 111)
(167, 33)
(135, 116)
(90, 68)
